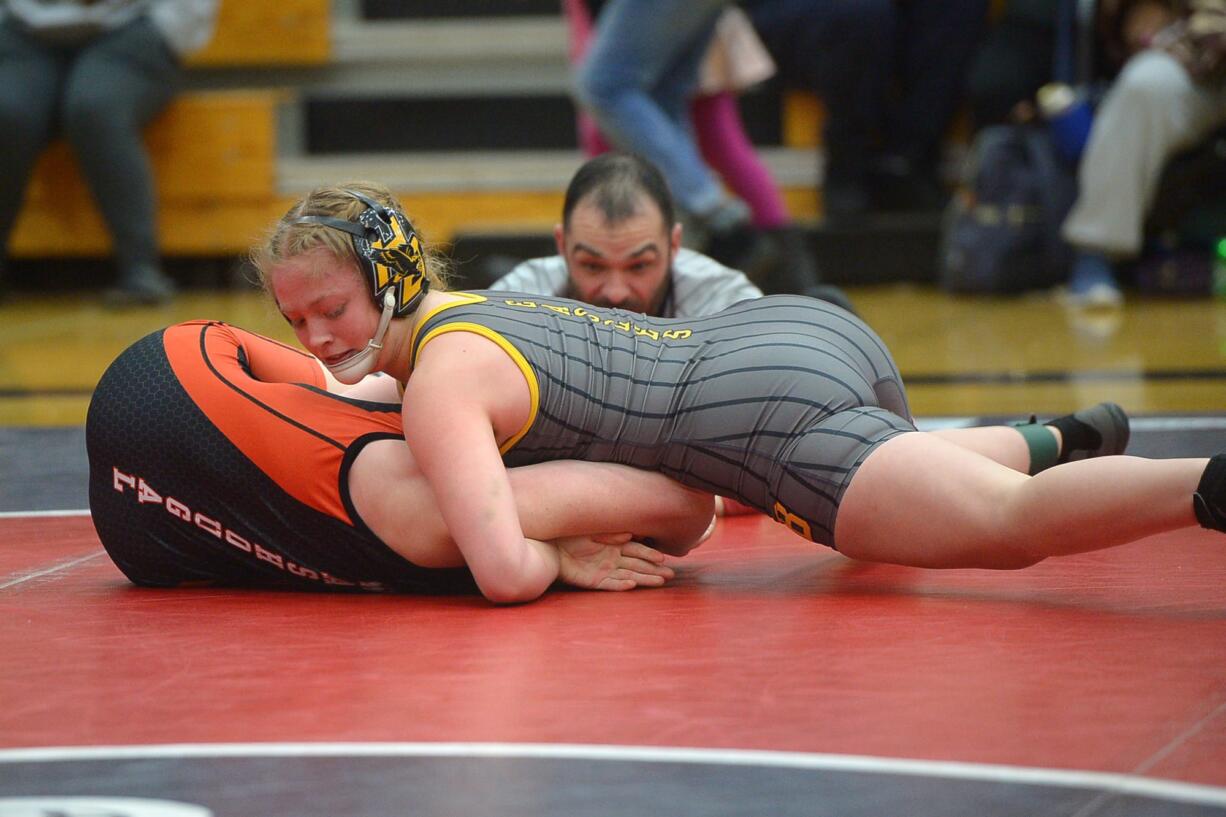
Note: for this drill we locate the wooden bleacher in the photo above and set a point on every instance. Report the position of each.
(221, 180)
(214, 152)
(261, 33)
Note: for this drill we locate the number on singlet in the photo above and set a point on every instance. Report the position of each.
(785, 517)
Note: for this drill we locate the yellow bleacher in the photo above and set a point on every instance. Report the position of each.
(214, 152)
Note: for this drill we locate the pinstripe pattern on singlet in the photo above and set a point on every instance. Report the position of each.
(716, 402)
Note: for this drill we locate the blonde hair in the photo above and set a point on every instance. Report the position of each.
(288, 238)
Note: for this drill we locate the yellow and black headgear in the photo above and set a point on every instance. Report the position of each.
(388, 250)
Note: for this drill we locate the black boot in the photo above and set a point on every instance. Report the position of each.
(1209, 501)
(733, 240)
(140, 286)
(796, 271)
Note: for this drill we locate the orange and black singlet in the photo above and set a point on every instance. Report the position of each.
(218, 458)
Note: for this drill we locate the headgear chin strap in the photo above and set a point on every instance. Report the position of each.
(352, 369)
(389, 254)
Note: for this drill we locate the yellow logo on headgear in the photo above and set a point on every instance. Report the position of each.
(395, 259)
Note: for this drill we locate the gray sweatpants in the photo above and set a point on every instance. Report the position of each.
(1152, 112)
(99, 94)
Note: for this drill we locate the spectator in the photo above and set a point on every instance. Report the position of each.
(97, 71)
(734, 62)
(891, 75)
(619, 245)
(1015, 60)
(637, 81)
(1170, 95)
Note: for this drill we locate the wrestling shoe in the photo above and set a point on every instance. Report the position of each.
(139, 286)
(1098, 431)
(1209, 501)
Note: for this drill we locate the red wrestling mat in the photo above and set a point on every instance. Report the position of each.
(1114, 661)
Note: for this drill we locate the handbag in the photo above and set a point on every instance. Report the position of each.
(1001, 230)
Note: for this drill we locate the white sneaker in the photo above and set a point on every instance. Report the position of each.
(1100, 295)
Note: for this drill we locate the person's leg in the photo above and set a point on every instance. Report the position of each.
(727, 148)
(1210, 500)
(1001, 444)
(936, 41)
(1101, 430)
(1014, 61)
(920, 500)
(115, 87)
(579, 34)
(30, 77)
(1153, 111)
(636, 78)
(843, 51)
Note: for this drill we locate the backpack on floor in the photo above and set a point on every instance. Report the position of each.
(1001, 229)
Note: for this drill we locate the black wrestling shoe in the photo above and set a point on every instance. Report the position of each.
(1098, 431)
(141, 286)
(1209, 501)
(832, 295)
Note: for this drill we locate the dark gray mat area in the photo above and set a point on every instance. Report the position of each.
(552, 787)
(45, 469)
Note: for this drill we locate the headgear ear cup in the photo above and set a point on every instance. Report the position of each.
(389, 254)
(388, 251)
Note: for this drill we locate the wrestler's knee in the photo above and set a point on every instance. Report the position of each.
(697, 513)
(919, 501)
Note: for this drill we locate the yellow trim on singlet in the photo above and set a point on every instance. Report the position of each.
(468, 298)
(534, 391)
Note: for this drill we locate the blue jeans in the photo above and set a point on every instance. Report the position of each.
(637, 80)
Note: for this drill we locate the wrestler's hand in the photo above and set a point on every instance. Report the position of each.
(610, 562)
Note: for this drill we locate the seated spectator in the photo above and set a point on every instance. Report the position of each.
(891, 75)
(1170, 95)
(96, 71)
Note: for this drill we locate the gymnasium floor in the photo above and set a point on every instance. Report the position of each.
(771, 678)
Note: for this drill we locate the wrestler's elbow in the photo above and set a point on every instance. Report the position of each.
(514, 582)
(691, 525)
(510, 590)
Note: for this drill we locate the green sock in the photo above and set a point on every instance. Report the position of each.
(1044, 452)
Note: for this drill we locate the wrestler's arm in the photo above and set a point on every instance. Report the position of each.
(553, 499)
(466, 395)
(374, 388)
(271, 361)
(450, 432)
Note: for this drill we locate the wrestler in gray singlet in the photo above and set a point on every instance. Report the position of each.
(774, 402)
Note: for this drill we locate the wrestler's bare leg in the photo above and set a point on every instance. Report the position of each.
(1000, 443)
(922, 500)
(1097, 431)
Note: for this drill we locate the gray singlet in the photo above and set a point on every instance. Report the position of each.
(774, 402)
